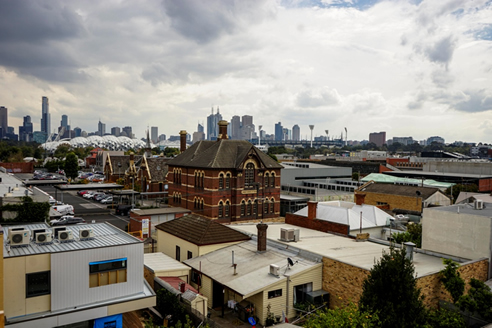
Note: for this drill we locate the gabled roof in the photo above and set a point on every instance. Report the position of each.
(349, 213)
(157, 168)
(201, 231)
(124, 160)
(400, 190)
(221, 154)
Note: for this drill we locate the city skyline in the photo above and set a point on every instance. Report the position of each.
(410, 68)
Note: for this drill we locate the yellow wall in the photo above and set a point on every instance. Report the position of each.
(210, 248)
(1, 282)
(15, 285)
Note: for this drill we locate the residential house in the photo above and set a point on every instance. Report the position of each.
(251, 277)
(229, 180)
(192, 235)
(401, 198)
(154, 216)
(77, 274)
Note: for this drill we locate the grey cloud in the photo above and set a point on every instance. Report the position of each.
(37, 21)
(205, 21)
(441, 51)
(476, 101)
(442, 78)
(325, 97)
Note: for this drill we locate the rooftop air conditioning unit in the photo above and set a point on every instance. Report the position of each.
(287, 234)
(479, 204)
(86, 234)
(19, 237)
(43, 237)
(65, 235)
(297, 234)
(274, 269)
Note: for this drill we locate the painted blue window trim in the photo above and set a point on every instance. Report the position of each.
(109, 261)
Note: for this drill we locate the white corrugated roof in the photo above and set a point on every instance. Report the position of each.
(160, 262)
(252, 267)
(105, 235)
(349, 213)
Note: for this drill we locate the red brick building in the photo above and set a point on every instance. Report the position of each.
(229, 180)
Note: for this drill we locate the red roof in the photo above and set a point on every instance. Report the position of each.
(175, 281)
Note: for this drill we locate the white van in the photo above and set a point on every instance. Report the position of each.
(64, 209)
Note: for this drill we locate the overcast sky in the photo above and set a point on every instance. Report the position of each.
(410, 68)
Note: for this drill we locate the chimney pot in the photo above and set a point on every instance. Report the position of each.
(262, 237)
(182, 140)
(182, 287)
(359, 199)
(312, 210)
(223, 130)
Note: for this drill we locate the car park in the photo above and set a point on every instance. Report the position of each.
(100, 197)
(63, 209)
(123, 209)
(107, 200)
(67, 220)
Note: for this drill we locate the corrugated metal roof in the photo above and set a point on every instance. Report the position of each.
(105, 235)
(385, 178)
(349, 213)
(252, 270)
(157, 211)
(160, 262)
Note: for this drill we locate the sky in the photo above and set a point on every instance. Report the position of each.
(410, 68)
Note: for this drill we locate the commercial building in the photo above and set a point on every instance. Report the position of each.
(154, 134)
(279, 131)
(4, 121)
(26, 130)
(378, 138)
(212, 124)
(77, 274)
(296, 133)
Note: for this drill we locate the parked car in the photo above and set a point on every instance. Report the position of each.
(89, 194)
(64, 209)
(82, 192)
(123, 209)
(100, 197)
(66, 220)
(107, 200)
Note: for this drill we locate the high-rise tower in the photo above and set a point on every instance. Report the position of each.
(4, 121)
(45, 117)
(212, 124)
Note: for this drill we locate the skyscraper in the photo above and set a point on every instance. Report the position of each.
(78, 132)
(154, 134)
(235, 127)
(296, 133)
(64, 122)
(25, 131)
(45, 117)
(128, 131)
(279, 131)
(115, 131)
(4, 121)
(213, 124)
(101, 128)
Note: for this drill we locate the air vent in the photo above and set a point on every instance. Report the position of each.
(274, 270)
(65, 236)
(287, 235)
(43, 237)
(86, 234)
(479, 204)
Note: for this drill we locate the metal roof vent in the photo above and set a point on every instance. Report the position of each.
(479, 204)
(409, 246)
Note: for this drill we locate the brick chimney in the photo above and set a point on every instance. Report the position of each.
(262, 237)
(359, 199)
(182, 287)
(223, 130)
(182, 140)
(312, 209)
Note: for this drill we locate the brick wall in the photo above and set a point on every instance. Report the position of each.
(434, 291)
(315, 224)
(394, 201)
(18, 167)
(342, 281)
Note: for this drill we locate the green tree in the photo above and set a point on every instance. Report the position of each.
(391, 291)
(444, 318)
(451, 279)
(355, 176)
(168, 305)
(413, 234)
(349, 316)
(457, 188)
(62, 151)
(478, 299)
(71, 166)
(170, 151)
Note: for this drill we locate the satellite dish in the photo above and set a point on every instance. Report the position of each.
(289, 260)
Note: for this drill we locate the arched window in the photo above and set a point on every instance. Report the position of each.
(196, 179)
(265, 206)
(195, 203)
(249, 209)
(221, 209)
(202, 182)
(272, 180)
(249, 175)
(221, 181)
(272, 205)
(267, 179)
(201, 204)
(255, 206)
(243, 208)
(227, 209)
(228, 181)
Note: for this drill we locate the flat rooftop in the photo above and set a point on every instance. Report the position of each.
(342, 249)
(160, 262)
(164, 210)
(466, 209)
(105, 235)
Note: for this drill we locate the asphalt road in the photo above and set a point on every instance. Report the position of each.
(90, 210)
